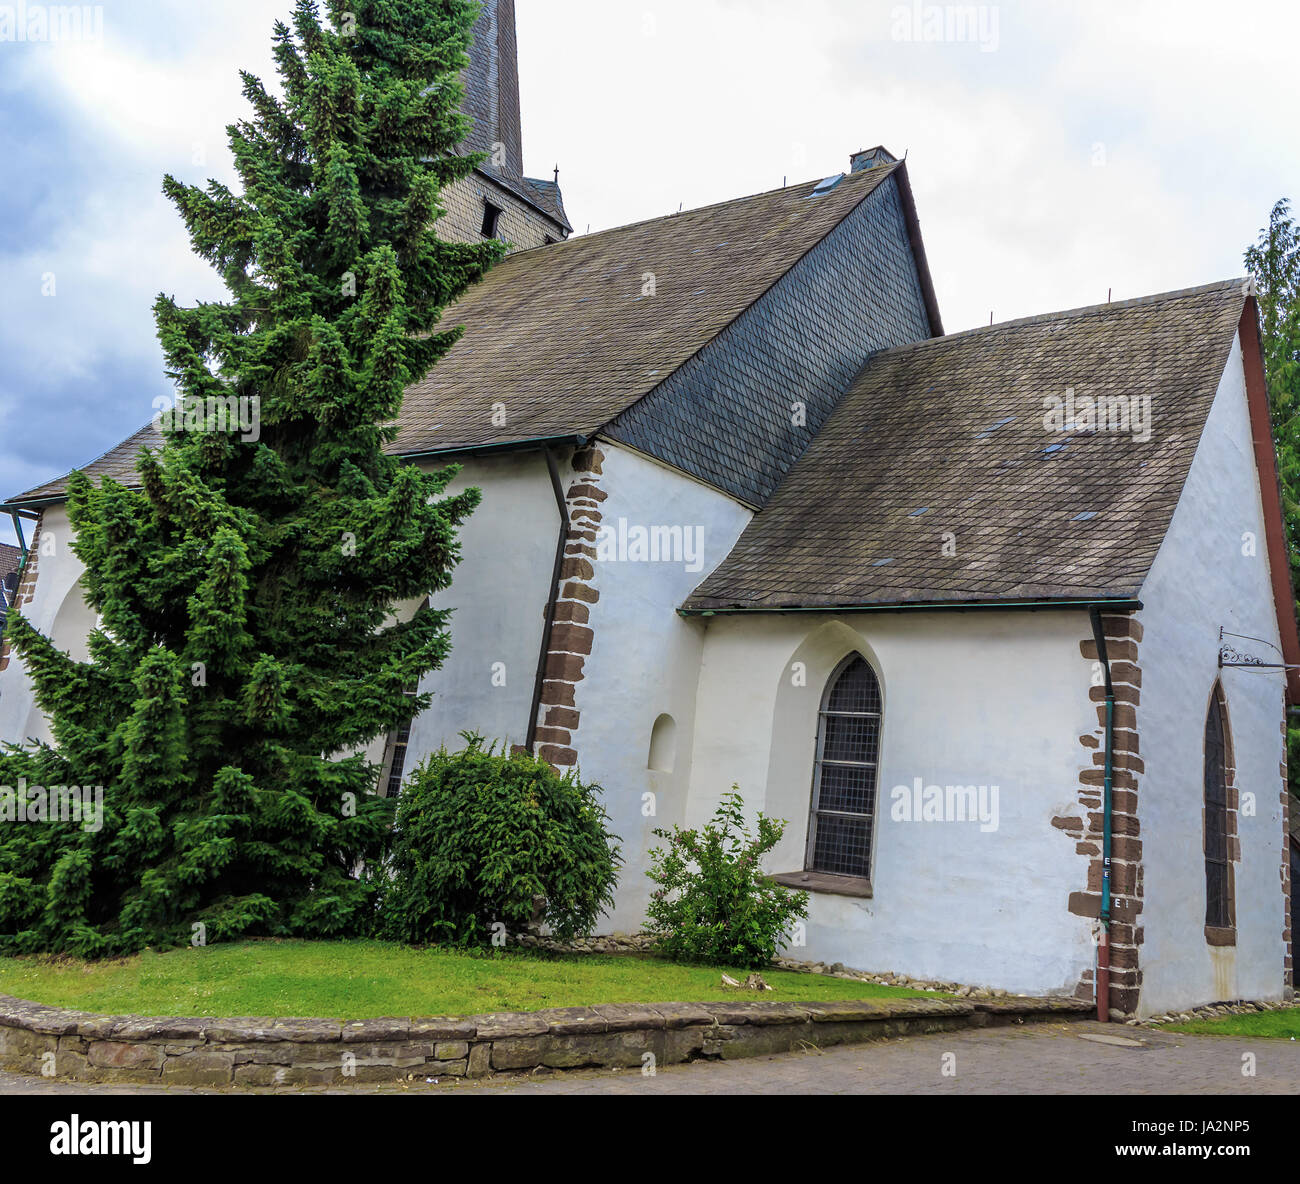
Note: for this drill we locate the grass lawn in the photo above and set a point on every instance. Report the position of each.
(365, 980)
(1260, 1023)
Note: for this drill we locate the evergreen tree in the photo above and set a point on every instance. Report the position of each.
(247, 648)
(1274, 263)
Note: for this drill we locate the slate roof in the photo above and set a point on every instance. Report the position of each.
(949, 436)
(547, 197)
(10, 558)
(492, 102)
(562, 335)
(492, 85)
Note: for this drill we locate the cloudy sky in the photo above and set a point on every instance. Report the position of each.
(1058, 150)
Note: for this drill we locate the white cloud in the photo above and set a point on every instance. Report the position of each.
(1193, 103)
(649, 105)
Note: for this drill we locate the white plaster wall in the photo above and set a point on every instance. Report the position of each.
(498, 595)
(1200, 581)
(645, 660)
(60, 612)
(969, 699)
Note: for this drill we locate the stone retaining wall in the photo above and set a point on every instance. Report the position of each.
(77, 1046)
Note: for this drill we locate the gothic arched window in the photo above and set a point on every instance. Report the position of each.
(844, 779)
(1218, 870)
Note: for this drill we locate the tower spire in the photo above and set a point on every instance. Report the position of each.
(492, 90)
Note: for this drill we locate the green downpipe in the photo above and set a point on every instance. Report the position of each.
(22, 542)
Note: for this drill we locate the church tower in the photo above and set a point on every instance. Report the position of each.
(497, 200)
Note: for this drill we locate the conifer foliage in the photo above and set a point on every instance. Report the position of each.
(247, 641)
(1274, 262)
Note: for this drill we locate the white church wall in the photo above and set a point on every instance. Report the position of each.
(1212, 571)
(645, 660)
(498, 595)
(982, 699)
(58, 610)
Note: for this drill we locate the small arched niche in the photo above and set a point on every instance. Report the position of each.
(663, 745)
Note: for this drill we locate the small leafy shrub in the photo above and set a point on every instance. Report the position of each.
(712, 903)
(479, 837)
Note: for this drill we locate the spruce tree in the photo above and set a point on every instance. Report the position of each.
(247, 649)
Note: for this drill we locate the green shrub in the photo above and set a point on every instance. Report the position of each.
(712, 903)
(479, 836)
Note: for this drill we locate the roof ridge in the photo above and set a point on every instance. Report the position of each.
(734, 201)
(1071, 314)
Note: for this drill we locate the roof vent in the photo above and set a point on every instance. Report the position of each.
(826, 186)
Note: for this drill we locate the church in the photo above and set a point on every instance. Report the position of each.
(999, 621)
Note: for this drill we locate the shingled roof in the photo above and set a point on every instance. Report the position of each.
(10, 559)
(492, 102)
(563, 337)
(948, 437)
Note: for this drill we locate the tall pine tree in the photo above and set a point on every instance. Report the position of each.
(247, 643)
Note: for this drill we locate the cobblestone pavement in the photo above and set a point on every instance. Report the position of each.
(1032, 1059)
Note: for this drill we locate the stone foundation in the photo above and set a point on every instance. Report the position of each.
(1217, 1011)
(77, 1046)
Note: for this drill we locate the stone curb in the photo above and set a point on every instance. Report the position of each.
(82, 1047)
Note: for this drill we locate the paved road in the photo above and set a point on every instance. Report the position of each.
(1033, 1059)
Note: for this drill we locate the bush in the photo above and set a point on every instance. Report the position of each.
(712, 903)
(479, 837)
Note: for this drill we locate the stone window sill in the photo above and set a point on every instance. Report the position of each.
(823, 882)
(1220, 937)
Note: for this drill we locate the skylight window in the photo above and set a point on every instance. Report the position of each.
(827, 185)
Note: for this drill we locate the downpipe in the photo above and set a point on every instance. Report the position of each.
(1103, 942)
(22, 541)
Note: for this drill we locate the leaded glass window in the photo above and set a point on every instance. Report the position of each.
(844, 780)
(1218, 912)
